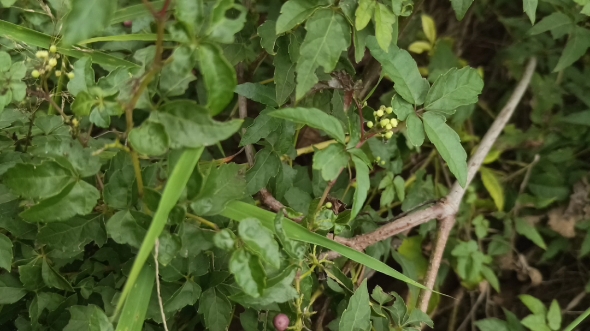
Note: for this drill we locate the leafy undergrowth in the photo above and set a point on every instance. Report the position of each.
(237, 165)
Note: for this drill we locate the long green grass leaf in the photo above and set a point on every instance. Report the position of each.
(136, 307)
(135, 11)
(174, 187)
(238, 211)
(125, 37)
(38, 39)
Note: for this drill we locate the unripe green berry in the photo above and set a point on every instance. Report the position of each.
(57, 73)
(388, 126)
(53, 49)
(388, 135)
(393, 122)
(370, 124)
(382, 163)
(389, 110)
(71, 75)
(328, 205)
(52, 62)
(384, 122)
(378, 158)
(35, 73)
(379, 113)
(41, 54)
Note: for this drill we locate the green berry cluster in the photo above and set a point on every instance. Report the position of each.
(48, 63)
(385, 125)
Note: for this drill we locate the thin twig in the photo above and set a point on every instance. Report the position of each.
(479, 300)
(243, 112)
(156, 250)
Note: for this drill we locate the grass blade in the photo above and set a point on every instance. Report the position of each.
(136, 307)
(578, 320)
(238, 211)
(135, 11)
(38, 39)
(174, 187)
(125, 37)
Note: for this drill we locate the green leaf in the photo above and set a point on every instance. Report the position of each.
(380, 296)
(11, 290)
(530, 8)
(239, 211)
(460, 7)
(314, 118)
(88, 318)
(37, 181)
(279, 290)
(5, 252)
(553, 21)
(128, 227)
(83, 79)
(328, 35)
(222, 28)
(448, 144)
(260, 241)
(330, 161)
(70, 154)
(222, 185)
(263, 94)
(401, 108)
(133, 313)
(86, 19)
(576, 47)
(83, 104)
(268, 36)
(137, 11)
(293, 248)
(248, 272)
(190, 125)
(491, 277)
(53, 279)
(529, 231)
(220, 77)
(216, 310)
(577, 118)
(262, 127)
(5, 61)
(77, 198)
(149, 139)
(493, 186)
(454, 89)
(533, 304)
(384, 20)
(399, 65)
(400, 185)
(266, 166)
(363, 13)
(177, 73)
(415, 129)
(284, 76)
(363, 185)
(535, 322)
(186, 295)
(492, 324)
(554, 316)
(357, 316)
(191, 13)
(224, 239)
(72, 235)
(38, 39)
(294, 12)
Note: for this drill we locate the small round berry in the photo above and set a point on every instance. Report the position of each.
(52, 62)
(35, 73)
(378, 158)
(393, 122)
(328, 205)
(354, 184)
(375, 114)
(53, 49)
(42, 54)
(384, 122)
(57, 73)
(388, 135)
(365, 103)
(281, 322)
(370, 124)
(48, 67)
(379, 113)
(382, 163)
(128, 24)
(71, 75)
(75, 122)
(389, 126)
(389, 110)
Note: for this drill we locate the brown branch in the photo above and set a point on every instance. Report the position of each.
(446, 208)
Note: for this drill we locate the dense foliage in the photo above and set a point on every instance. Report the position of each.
(200, 164)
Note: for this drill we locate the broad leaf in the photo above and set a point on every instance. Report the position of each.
(149, 139)
(363, 185)
(533, 304)
(37, 181)
(266, 166)
(553, 21)
(268, 36)
(86, 19)
(128, 227)
(415, 129)
(216, 310)
(284, 76)
(554, 316)
(330, 161)
(492, 324)
(357, 316)
(493, 186)
(248, 272)
(575, 48)
(384, 20)
(260, 241)
(88, 318)
(328, 35)
(526, 229)
(11, 290)
(263, 94)
(52, 278)
(530, 8)
(5, 253)
(454, 89)
(399, 65)
(294, 12)
(186, 295)
(314, 118)
(447, 143)
(220, 77)
(221, 186)
(72, 235)
(460, 7)
(364, 13)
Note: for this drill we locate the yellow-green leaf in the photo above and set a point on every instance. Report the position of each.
(493, 186)
(429, 28)
(419, 47)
